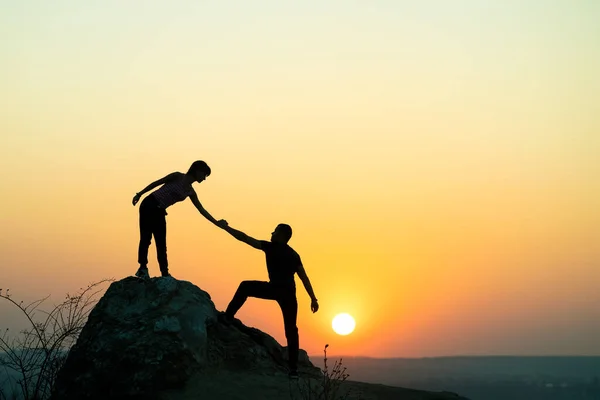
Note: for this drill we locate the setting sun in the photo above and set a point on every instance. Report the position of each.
(343, 324)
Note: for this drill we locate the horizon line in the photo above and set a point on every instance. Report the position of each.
(465, 356)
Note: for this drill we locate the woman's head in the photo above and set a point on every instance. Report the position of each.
(199, 170)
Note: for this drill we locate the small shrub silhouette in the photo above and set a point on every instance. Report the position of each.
(38, 352)
(328, 387)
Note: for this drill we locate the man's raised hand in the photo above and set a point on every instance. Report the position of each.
(314, 306)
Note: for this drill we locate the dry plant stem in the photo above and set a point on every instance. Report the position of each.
(38, 352)
(329, 385)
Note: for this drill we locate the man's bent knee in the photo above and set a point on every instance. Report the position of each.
(244, 286)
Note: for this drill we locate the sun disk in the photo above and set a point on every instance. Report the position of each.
(343, 324)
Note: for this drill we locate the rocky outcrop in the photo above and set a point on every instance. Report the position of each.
(146, 336)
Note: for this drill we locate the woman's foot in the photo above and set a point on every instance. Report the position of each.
(142, 272)
(165, 274)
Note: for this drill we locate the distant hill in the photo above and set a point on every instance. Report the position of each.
(395, 370)
(486, 378)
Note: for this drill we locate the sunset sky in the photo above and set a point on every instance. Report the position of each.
(437, 160)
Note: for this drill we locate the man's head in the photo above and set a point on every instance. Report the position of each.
(199, 170)
(282, 233)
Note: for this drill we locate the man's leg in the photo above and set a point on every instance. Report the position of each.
(289, 309)
(160, 239)
(258, 289)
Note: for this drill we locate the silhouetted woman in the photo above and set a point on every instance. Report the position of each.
(175, 187)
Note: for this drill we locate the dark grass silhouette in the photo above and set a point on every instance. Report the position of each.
(36, 354)
(329, 387)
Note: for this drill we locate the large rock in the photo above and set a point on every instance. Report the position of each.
(147, 336)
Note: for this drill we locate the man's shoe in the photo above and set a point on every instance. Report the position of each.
(293, 374)
(224, 318)
(142, 272)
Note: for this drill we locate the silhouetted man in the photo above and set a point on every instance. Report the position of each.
(282, 263)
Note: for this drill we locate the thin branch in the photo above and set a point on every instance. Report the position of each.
(38, 353)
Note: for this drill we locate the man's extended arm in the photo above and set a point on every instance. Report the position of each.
(314, 305)
(241, 236)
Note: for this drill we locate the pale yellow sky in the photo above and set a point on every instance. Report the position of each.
(436, 161)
